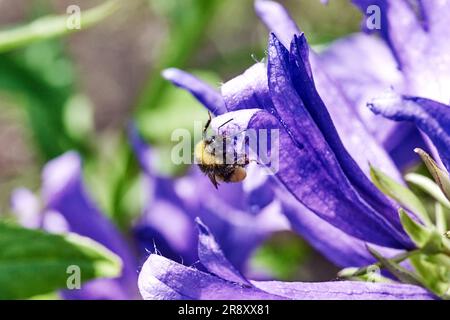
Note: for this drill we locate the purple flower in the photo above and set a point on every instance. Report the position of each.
(325, 192)
(363, 67)
(430, 116)
(413, 33)
(163, 279)
(250, 89)
(322, 176)
(68, 208)
(315, 166)
(417, 40)
(347, 75)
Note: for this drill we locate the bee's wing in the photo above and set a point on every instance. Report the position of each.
(212, 177)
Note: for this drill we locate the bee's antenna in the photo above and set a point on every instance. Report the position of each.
(224, 124)
(205, 128)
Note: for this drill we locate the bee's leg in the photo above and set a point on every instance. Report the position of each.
(253, 160)
(205, 128)
(243, 161)
(212, 177)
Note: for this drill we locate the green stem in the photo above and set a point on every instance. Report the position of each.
(441, 220)
(53, 26)
(428, 186)
(397, 259)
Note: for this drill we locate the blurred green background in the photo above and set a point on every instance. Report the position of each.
(81, 91)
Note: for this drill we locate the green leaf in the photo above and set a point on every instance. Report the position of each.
(371, 275)
(440, 176)
(53, 26)
(419, 234)
(398, 271)
(428, 239)
(33, 262)
(435, 244)
(47, 296)
(428, 186)
(40, 79)
(361, 271)
(441, 220)
(401, 194)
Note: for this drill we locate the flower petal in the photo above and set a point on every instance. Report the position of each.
(309, 143)
(176, 239)
(363, 67)
(396, 32)
(430, 116)
(344, 290)
(434, 14)
(204, 93)
(313, 103)
(239, 230)
(418, 47)
(361, 144)
(247, 91)
(407, 137)
(311, 173)
(161, 278)
(277, 19)
(142, 151)
(337, 246)
(212, 257)
(164, 279)
(25, 205)
(64, 192)
(341, 107)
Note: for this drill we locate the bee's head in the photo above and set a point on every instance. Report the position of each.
(226, 134)
(209, 140)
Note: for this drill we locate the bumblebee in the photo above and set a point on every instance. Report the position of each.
(212, 157)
